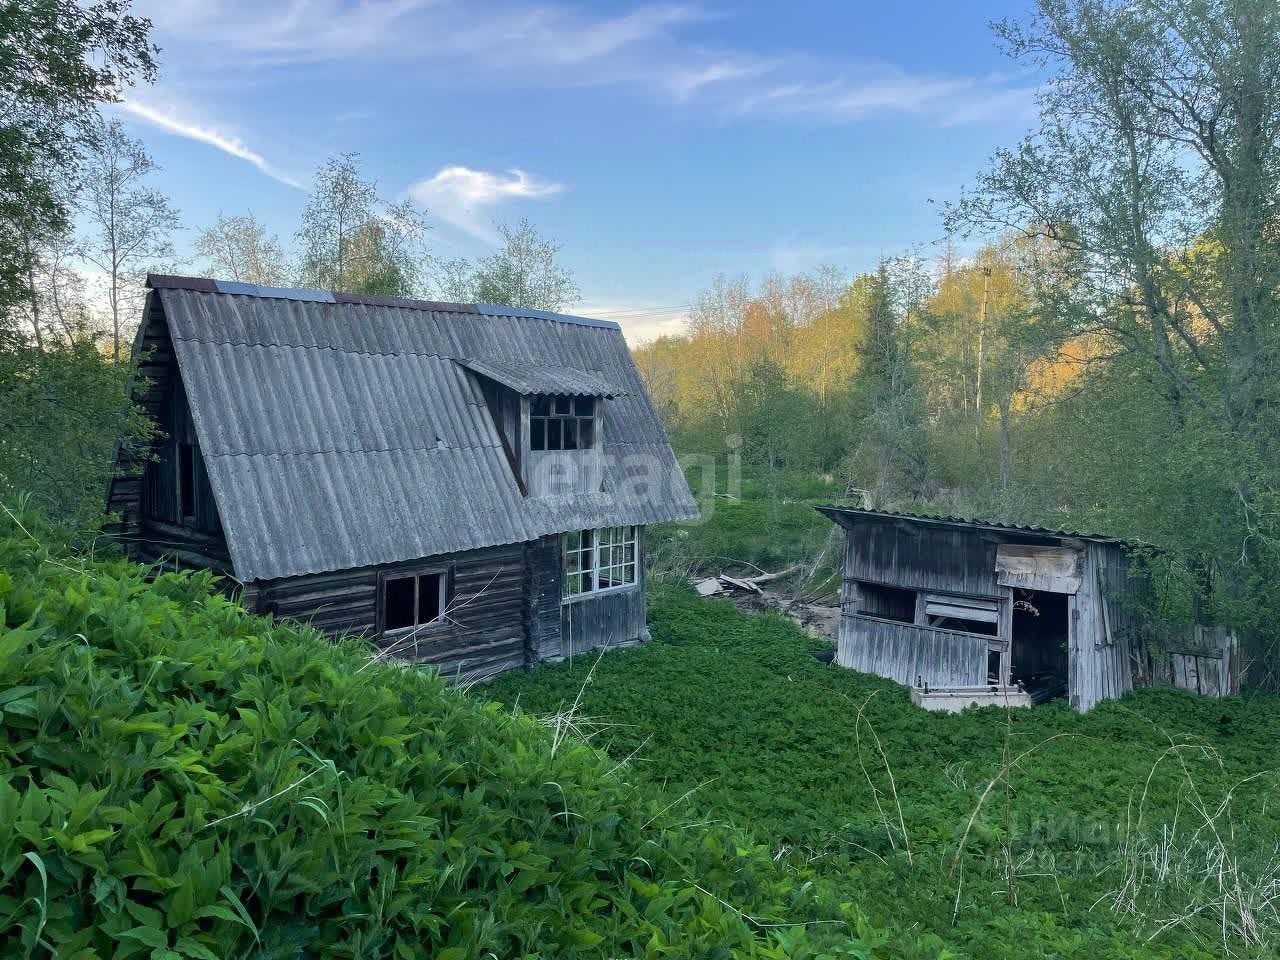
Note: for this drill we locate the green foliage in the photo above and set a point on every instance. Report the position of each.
(733, 710)
(523, 272)
(349, 240)
(58, 60)
(180, 779)
(61, 412)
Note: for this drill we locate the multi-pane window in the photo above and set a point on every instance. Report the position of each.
(562, 423)
(599, 559)
(414, 599)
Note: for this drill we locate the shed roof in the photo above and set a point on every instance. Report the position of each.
(344, 431)
(848, 516)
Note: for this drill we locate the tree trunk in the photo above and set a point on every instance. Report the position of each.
(31, 292)
(1006, 454)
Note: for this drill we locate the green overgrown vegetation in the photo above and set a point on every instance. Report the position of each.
(180, 779)
(1142, 829)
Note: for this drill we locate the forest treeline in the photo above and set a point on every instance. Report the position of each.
(1107, 356)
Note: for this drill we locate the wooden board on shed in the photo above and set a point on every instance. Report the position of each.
(1033, 567)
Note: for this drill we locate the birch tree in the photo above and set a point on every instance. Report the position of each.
(129, 222)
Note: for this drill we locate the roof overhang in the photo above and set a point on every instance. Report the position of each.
(535, 379)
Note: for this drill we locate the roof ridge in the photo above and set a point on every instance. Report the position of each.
(164, 281)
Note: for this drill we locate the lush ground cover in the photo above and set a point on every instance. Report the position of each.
(1132, 831)
(747, 523)
(180, 779)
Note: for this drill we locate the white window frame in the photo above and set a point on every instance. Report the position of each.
(618, 541)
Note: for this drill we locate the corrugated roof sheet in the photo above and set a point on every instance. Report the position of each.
(343, 431)
(544, 378)
(836, 513)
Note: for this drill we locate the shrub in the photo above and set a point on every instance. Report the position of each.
(181, 779)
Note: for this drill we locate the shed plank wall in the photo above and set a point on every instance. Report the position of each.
(907, 653)
(922, 558)
(895, 553)
(1100, 667)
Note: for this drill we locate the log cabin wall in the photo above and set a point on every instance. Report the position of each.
(483, 633)
(144, 492)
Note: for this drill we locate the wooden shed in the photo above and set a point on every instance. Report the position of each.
(462, 484)
(971, 612)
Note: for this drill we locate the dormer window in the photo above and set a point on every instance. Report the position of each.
(562, 423)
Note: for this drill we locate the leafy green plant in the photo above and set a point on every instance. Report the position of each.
(1039, 807)
(180, 779)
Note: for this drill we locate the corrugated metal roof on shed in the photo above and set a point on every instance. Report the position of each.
(853, 513)
(343, 431)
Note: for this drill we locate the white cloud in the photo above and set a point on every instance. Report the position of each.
(684, 82)
(465, 197)
(651, 47)
(183, 127)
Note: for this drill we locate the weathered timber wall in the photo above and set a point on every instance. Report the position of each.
(484, 633)
(1099, 664)
(614, 618)
(905, 652)
(917, 557)
(542, 610)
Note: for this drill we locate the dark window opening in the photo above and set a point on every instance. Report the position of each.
(562, 423)
(962, 625)
(414, 600)
(887, 603)
(186, 481)
(993, 666)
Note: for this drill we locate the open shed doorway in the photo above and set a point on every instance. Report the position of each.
(1040, 637)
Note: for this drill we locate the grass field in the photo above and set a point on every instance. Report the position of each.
(1145, 828)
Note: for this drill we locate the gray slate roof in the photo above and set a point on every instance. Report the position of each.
(342, 431)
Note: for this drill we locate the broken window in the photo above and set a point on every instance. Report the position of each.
(186, 481)
(886, 603)
(600, 559)
(562, 423)
(964, 614)
(414, 599)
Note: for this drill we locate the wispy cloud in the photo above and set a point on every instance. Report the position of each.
(466, 198)
(173, 123)
(654, 47)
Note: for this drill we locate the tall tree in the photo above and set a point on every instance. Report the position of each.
(1155, 173)
(350, 240)
(240, 248)
(130, 222)
(523, 272)
(58, 60)
(894, 450)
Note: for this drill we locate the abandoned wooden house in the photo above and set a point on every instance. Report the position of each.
(966, 612)
(465, 485)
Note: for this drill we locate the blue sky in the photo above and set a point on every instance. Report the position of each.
(660, 143)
